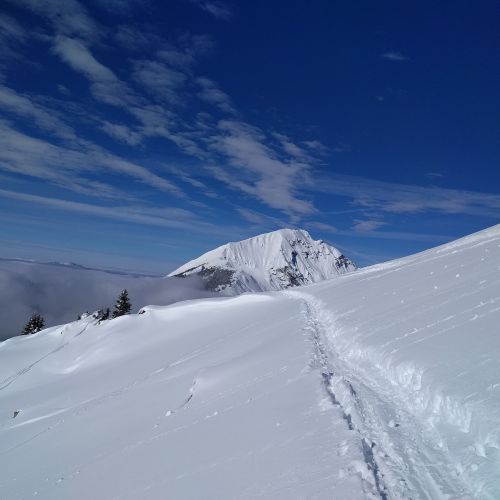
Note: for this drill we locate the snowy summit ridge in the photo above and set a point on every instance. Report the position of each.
(272, 261)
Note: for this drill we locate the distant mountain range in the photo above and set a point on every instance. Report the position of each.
(74, 265)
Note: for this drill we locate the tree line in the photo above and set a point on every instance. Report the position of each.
(123, 306)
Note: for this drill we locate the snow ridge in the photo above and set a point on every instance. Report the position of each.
(272, 261)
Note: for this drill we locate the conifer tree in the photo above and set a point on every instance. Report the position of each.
(101, 315)
(34, 324)
(123, 305)
(105, 315)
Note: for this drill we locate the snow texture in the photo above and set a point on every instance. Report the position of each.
(378, 384)
(271, 261)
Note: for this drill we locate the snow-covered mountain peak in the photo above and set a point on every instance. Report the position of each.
(271, 261)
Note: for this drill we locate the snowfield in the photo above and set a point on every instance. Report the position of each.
(383, 383)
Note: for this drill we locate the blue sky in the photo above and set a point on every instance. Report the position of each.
(139, 134)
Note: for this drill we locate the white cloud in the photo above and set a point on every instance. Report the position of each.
(11, 30)
(122, 133)
(63, 90)
(121, 7)
(259, 170)
(161, 81)
(105, 85)
(397, 235)
(316, 147)
(291, 149)
(367, 225)
(183, 176)
(252, 216)
(212, 94)
(13, 38)
(394, 56)
(67, 17)
(263, 221)
(23, 106)
(184, 53)
(134, 38)
(170, 217)
(321, 226)
(381, 196)
(217, 8)
(176, 58)
(71, 167)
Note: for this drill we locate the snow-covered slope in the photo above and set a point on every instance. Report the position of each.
(382, 383)
(418, 340)
(271, 261)
(209, 399)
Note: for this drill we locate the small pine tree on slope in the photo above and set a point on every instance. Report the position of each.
(34, 324)
(123, 305)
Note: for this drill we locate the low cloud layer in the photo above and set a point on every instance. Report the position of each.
(61, 293)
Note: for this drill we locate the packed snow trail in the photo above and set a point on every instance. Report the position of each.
(322, 361)
(399, 451)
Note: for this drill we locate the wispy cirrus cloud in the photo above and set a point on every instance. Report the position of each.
(71, 167)
(217, 8)
(164, 83)
(66, 17)
(322, 226)
(266, 167)
(210, 92)
(364, 225)
(293, 150)
(394, 56)
(388, 197)
(105, 85)
(170, 217)
(25, 107)
(257, 168)
(121, 7)
(11, 30)
(121, 132)
(13, 38)
(264, 222)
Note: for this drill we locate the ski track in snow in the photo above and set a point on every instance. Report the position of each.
(405, 457)
(12, 378)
